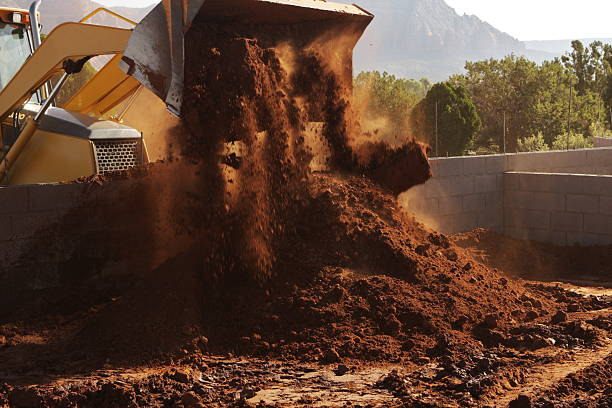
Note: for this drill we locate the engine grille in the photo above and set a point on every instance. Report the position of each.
(112, 155)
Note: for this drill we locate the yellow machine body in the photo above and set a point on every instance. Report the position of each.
(53, 157)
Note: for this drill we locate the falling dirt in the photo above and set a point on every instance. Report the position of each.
(278, 280)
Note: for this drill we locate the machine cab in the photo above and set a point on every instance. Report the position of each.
(15, 48)
(65, 144)
(15, 44)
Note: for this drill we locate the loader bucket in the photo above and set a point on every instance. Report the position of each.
(156, 53)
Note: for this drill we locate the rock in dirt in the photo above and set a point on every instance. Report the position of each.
(559, 317)
(330, 356)
(25, 398)
(491, 321)
(341, 370)
(191, 400)
(522, 401)
(180, 376)
(247, 393)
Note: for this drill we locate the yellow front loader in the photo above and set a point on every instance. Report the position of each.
(124, 116)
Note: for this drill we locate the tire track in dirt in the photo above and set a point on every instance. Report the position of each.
(544, 377)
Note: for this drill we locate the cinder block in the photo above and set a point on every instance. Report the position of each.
(564, 221)
(13, 200)
(460, 185)
(599, 157)
(5, 228)
(437, 187)
(422, 206)
(516, 233)
(582, 203)
(10, 253)
(598, 185)
(546, 201)
(529, 219)
(500, 182)
(511, 181)
(28, 225)
(552, 237)
(553, 183)
(494, 200)
(602, 142)
(546, 161)
(486, 183)
(605, 205)
(415, 205)
(568, 158)
(449, 167)
(432, 206)
(534, 201)
(44, 197)
(414, 193)
(466, 222)
(474, 165)
(516, 199)
(598, 224)
(588, 239)
(495, 164)
(520, 162)
(605, 171)
(441, 223)
(491, 218)
(473, 202)
(450, 205)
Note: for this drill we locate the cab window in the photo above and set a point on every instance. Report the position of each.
(14, 50)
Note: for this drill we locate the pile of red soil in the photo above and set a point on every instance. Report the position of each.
(355, 278)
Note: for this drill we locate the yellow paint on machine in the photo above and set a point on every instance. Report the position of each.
(53, 157)
(66, 41)
(107, 89)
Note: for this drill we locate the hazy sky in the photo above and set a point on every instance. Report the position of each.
(127, 3)
(543, 19)
(523, 19)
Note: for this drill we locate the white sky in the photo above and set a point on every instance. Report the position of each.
(523, 19)
(127, 3)
(543, 19)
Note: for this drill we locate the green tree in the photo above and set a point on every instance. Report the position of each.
(384, 102)
(457, 119)
(534, 143)
(536, 98)
(499, 88)
(572, 141)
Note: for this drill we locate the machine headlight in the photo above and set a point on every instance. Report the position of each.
(17, 18)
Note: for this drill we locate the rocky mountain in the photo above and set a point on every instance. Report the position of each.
(427, 38)
(560, 47)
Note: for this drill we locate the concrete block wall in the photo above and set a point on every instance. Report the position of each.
(464, 193)
(468, 192)
(564, 209)
(602, 141)
(124, 225)
(583, 161)
(26, 210)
